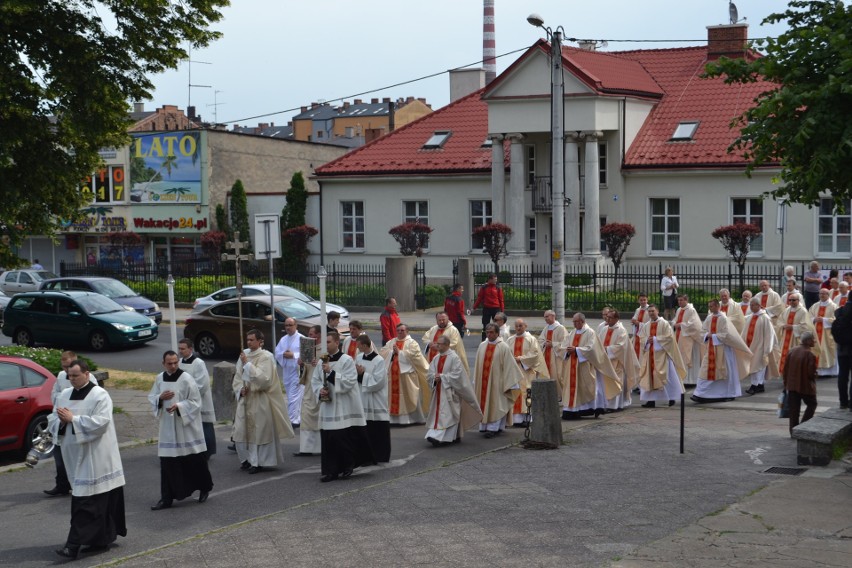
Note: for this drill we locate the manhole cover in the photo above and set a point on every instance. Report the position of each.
(786, 470)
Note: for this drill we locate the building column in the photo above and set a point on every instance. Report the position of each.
(592, 219)
(498, 179)
(515, 196)
(572, 196)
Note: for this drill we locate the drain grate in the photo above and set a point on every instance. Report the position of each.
(786, 470)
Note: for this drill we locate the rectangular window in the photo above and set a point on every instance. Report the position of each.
(415, 211)
(352, 224)
(480, 214)
(530, 159)
(105, 186)
(665, 225)
(749, 210)
(531, 234)
(602, 163)
(834, 228)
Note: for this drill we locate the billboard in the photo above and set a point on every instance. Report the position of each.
(165, 168)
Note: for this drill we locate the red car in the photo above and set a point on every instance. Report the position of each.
(25, 389)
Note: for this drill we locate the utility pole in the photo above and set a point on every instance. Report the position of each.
(239, 257)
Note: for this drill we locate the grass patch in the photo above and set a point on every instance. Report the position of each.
(118, 410)
(133, 380)
(839, 449)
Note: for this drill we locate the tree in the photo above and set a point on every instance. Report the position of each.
(222, 220)
(294, 251)
(737, 239)
(239, 212)
(213, 245)
(412, 237)
(803, 122)
(67, 71)
(298, 238)
(494, 238)
(616, 238)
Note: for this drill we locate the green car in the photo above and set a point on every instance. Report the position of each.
(71, 317)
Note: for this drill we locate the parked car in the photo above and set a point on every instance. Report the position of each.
(25, 389)
(111, 288)
(4, 301)
(261, 290)
(216, 329)
(14, 281)
(74, 317)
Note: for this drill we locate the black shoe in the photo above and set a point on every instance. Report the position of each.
(489, 434)
(68, 551)
(636, 391)
(255, 469)
(752, 389)
(245, 465)
(760, 388)
(346, 473)
(56, 491)
(202, 496)
(650, 404)
(327, 478)
(95, 548)
(161, 504)
(302, 454)
(296, 426)
(842, 407)
(598, 412)
(697, 399)
(233, 447)
(433, 441)
(671, 403)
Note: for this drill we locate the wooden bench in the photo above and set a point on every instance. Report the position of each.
(815, 438)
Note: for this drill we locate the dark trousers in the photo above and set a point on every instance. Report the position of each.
(811, 298)
(795, 401)
(487, 315)
(844, 385)
(460, 327)
(62, 482)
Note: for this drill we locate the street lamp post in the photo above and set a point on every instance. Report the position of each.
(321, 276)
(170, 284)
(557, 167)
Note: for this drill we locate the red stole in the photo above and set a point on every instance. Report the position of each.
(353, 347)
(711, 352)
(751, 326)
(652, 333)
(572, 378)
(843, 300)
(548, 351)
(486, 375)
(432, 352)
(440, 370)
(819, 326)
(608, 337)
(636, 346)
(394, 382)
(745, 308)
(788, 336)
(763, 298)
(517, 352)
(679, 320)
(724, 308)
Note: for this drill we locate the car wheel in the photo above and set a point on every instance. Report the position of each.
(36, 429)
(98, 341)
(24, 337)
(207, 345)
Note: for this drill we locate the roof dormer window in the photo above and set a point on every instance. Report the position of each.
(437, 140)
(684, 132)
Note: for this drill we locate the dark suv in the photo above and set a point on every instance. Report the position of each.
(109, 287)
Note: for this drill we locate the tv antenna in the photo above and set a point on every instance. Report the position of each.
(215, 106)
(734, 14)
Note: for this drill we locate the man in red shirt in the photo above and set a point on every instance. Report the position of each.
(490, 297)
(454, 306)
(389, 320)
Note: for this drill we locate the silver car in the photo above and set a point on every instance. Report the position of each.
(25, 280)
(263, 290)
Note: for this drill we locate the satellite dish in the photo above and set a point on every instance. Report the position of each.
(732, 11)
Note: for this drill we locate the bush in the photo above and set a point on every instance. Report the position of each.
(47, 358)
(578, 279)
(434, 295)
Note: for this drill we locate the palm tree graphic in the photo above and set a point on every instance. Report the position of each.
(177, 192)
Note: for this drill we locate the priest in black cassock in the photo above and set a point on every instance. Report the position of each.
(175, 400)
(81, 424)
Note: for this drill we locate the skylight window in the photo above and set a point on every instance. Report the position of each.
(437, 140)
(685, 131)
(488, 143)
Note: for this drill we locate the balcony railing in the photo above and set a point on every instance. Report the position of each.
(542, 195)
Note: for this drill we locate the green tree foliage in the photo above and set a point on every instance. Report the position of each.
(222, 220)
(239, 212)
(293, 214)
(295, 233)
(804, 123)
(67, 72)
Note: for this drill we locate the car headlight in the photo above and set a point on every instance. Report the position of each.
(129, 308)
(156, 307)
(123, 327)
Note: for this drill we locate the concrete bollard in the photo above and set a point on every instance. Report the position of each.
(223, 395)
(101, 377)
(546, 427)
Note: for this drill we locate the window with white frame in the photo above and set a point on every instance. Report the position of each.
(665, 225)
(834, 228)
(530, 159)
(602, 163)
(480, 214)
(531, 234)
(352, 224)
(415, 211)
(749, 210)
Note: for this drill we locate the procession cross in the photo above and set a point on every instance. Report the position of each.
(238, 257)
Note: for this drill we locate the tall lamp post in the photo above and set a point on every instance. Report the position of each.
(321, 276)
(557, 168)
(170, 283)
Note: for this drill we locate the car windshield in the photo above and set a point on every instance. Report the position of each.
(295, 308)
(288, 291)
(95, 304)
(112, 289)
(40, 275)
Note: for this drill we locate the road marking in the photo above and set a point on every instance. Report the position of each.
(755, 454)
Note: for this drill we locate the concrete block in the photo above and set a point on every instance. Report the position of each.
(842, 414)
(101, 377)
(399, 277)
(224, 403)
(546, 427)
(822, 430)
(813, 453)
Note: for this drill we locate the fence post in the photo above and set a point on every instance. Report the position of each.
(595, 286)
(730, 280)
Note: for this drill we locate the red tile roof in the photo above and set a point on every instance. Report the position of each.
(671, 76)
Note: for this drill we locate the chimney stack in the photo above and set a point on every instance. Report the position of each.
(374, 101)
(728, 41)
(139, 107)
(489, 41)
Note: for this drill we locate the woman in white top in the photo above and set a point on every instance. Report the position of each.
(668, 285)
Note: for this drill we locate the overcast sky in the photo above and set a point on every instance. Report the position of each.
(278, 55)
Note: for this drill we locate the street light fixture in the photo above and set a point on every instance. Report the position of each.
(321, 276)
(557, 160)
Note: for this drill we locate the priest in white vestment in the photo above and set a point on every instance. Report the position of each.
(759, 336)
(616, 342)
(175, 400)
(770, 301)
(662, 370)
(822, 316)
(640, 317)
(746, 301)
(496, 381)
(688, 336)
(406, 367)
(309, 430)
(726, 359)
(550, 338)
(192, 364)
(731, 309)
(453, 408)
(82, 426)
(350, 344)
(443, 326)
(502, 320)
(261, 421)
(373, 385)
(590, 379)
(528, 355)
(287, 356)
(789, 327)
